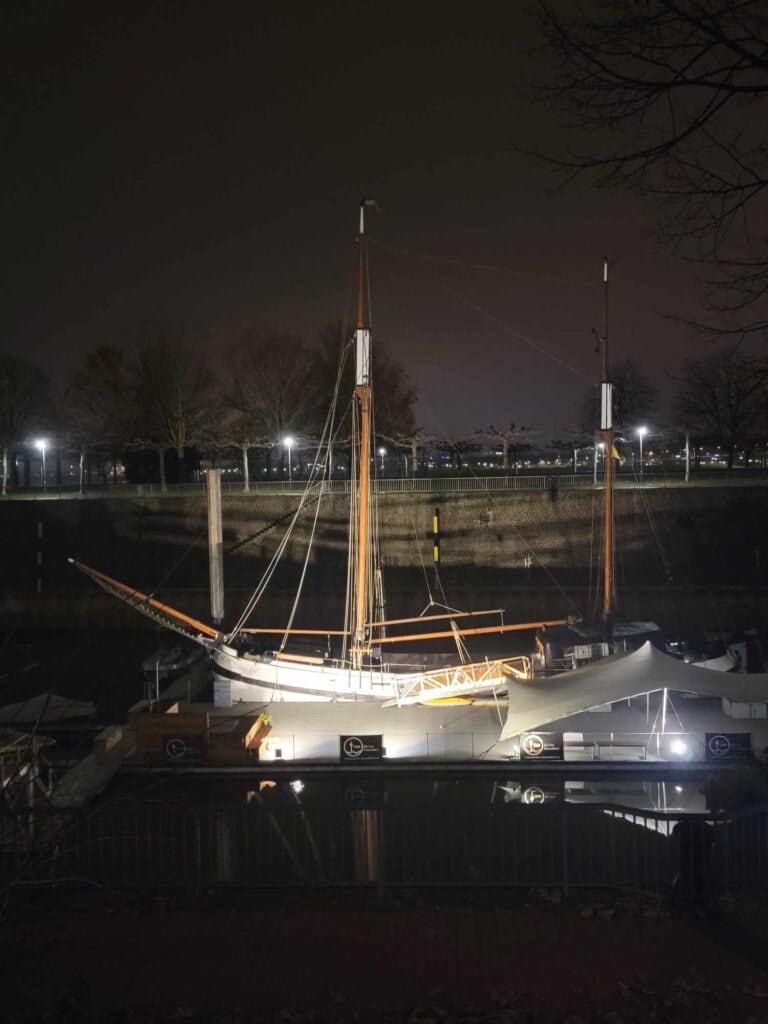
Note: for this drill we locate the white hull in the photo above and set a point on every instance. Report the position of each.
(237, 677)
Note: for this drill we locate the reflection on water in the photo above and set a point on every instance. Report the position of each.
(467, 829)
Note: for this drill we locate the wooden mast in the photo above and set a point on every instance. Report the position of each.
(606, 426)
(359, 644)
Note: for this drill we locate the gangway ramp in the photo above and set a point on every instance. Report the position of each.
(467, 680)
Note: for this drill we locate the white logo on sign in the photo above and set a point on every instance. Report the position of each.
(533, 745)
(353, 746)
(533, 795)
(719, 745)
(176, 748)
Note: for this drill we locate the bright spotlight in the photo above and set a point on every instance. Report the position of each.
(678, 748)
(297, 786)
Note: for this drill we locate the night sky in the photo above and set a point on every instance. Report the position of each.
(201, 164)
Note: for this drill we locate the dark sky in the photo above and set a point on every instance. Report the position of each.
(201, 163)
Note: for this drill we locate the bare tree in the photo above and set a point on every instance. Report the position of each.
(97, 409)
(514, 439)
(720, 397)
(177, 398)
(270, 382)
(22, 389)
(668, 99)
(242, 433)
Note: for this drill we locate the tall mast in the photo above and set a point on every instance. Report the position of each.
(363, 397)
(606, 426)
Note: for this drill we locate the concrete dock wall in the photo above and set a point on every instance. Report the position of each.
(527, 549)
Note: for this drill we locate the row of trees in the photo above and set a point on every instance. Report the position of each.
(152, 406)
(163, 398)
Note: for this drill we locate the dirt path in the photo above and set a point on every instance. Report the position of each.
(334, 958)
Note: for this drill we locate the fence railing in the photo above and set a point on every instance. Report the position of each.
(406, 485)
(268, 843)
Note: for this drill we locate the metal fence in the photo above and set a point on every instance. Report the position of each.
(255, 845)
(407, 485)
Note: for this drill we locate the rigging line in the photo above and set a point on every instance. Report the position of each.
(421, 558)
(314, 475)
(300, 587)
(513, 272)
(177, 563)
(511, 330)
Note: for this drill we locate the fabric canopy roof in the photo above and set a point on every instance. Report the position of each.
(535, 702)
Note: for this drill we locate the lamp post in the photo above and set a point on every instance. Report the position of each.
(41, 444)
(641, 432)
(288, 442)
(382, 453)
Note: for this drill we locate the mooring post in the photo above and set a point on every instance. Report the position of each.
(215, 544)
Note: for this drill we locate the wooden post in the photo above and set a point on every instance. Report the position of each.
(215, 544)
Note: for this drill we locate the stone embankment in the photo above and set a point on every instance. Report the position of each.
(679, 553)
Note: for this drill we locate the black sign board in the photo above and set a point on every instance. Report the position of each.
(361, 748)
(727, 746)
(187, 748)
(541, 746)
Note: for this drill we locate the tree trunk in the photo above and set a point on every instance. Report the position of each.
(59, 479)
(5, 470)
(114, 469)
(246, 473)
(505, 454)
(180, 468)
(82, 468)
(414, 457)
(163, 481)
(731, 453)
(27, 464)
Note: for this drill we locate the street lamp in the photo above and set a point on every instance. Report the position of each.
(41, 444)
(641, 432)
(382, 453)
(288, 442)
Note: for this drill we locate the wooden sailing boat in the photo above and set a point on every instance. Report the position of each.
(359, 668)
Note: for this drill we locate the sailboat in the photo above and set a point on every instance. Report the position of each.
(263, 664)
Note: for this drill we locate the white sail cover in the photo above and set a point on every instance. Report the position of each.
(535, 702)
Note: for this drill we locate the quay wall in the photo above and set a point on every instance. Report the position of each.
(680, 543)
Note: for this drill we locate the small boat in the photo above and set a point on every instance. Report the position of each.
(167, 662)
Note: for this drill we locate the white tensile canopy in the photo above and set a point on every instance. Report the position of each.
(535, 702)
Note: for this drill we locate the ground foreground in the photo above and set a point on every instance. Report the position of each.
(493, 959)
